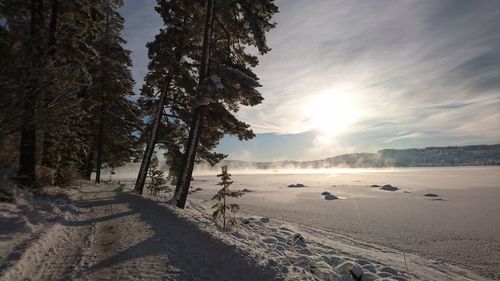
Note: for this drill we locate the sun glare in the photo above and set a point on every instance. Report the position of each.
(332, 112)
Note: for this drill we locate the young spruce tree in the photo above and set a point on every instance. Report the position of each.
(221, 207)
(156, 176)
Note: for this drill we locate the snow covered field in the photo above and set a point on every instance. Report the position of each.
(103, 232)
(460, 226)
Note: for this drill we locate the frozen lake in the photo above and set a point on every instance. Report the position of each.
(461, 227)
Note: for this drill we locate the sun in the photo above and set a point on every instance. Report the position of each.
(331, 112)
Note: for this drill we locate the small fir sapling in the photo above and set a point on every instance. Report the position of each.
(157, 178)
(221, 207)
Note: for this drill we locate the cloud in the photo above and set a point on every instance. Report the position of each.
(404, 136)
(402, 58)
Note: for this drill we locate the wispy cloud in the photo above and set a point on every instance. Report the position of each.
(430, 69)
(406, 59)
(404, 136)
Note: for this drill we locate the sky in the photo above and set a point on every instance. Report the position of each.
(359, 76)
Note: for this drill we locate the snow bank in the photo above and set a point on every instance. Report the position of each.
(24, 218)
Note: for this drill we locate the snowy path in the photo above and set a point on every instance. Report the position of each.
(120, 236)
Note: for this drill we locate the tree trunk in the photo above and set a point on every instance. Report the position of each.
(150, 147)
(46, 161)
(184, 179)
(153, 137)
(224, 210)
(100, 146)
(100, 135)
(53, 25)
(87, 168)
(27, 149)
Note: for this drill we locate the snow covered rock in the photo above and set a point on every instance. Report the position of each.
(370, 268)
(384, 275)
(346, 268)
(270, 240)
(323, 271)
(431, 195)
(369, 276)
(362, 262)
(389, 270)
(264, 220)
(389, 187)
(298, 240)
(196, 189)
(331, 197)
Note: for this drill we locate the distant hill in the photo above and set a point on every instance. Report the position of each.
(473, 155)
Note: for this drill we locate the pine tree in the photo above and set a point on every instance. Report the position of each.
(70, 51)
(14, 30)
(221, 207)
(156, 176)
(226, 79)
(61, 62)
(169, 79)
(168, 95)
(171, 95)
(27, 149)
(114, 119)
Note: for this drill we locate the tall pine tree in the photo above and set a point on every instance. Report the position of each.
(228, 80)
(171, 92)
(52, 71)
(170, 80)
(114, 118)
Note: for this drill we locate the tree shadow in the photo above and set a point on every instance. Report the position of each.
(196, 253)
(97, 220)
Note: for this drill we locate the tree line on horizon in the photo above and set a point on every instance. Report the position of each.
(66, 86)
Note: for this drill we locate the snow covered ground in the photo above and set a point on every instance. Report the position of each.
(115, 235)
(461, 226)
(104, 232)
